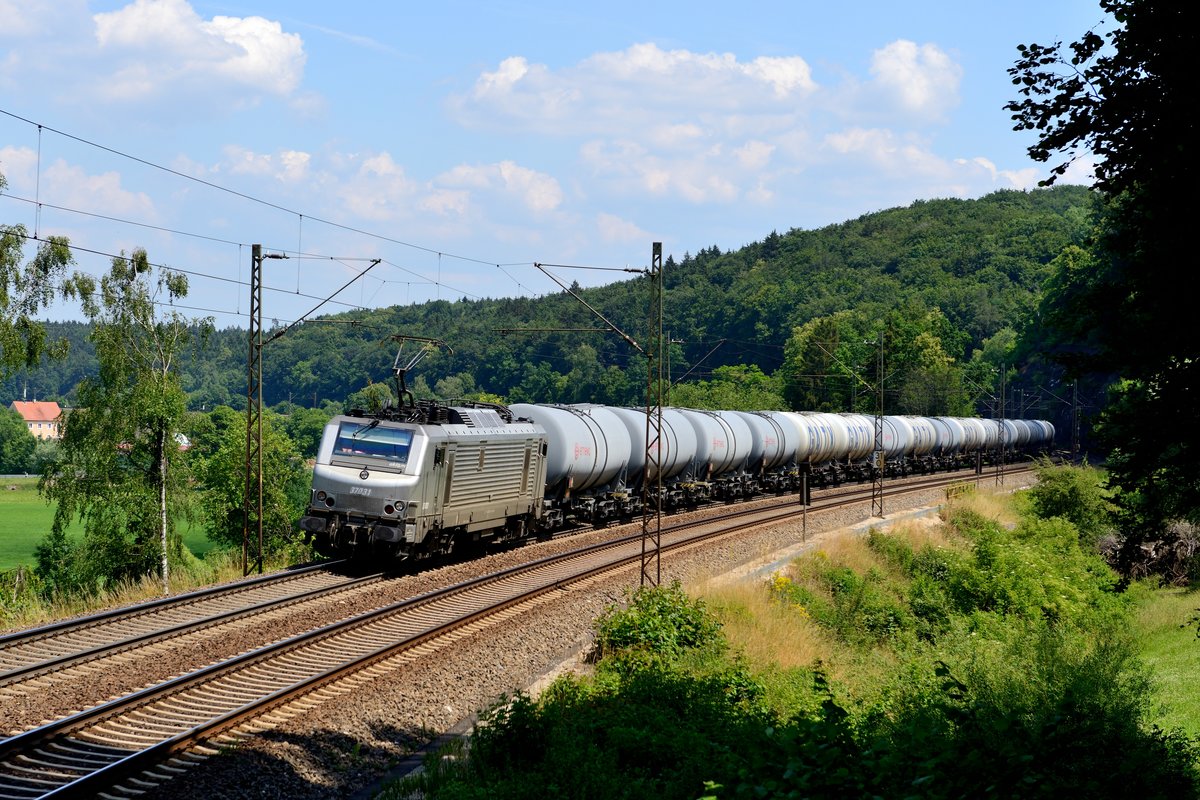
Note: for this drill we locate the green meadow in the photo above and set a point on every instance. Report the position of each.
(25, 517)
(1171, 648)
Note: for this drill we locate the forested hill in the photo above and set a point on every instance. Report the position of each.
(948, 281)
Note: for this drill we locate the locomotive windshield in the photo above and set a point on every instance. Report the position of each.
(374, 441)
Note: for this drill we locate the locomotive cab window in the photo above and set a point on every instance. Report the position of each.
(370, 442)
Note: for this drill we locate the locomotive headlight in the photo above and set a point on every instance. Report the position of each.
(391, 509)
(329, 501)
(321, 496)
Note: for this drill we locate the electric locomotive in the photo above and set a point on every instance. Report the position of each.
(421, 480)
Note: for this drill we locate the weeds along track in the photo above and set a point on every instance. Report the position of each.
(145, 738)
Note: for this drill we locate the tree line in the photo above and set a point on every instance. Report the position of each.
(947, 283)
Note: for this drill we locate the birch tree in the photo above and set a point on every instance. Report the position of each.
(26, 288)
(120, 468)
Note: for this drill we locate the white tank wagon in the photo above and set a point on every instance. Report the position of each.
(829, 439)
(725, 443)
(951, 435)
(722, 447)
(861, 430)
(829, 446)
(981, 434)
(811, 440)
(676, 448)
(588, 454)
(581, 453)
(1017, 432)
(949, 443)
(1042, 435)
(773, 444)
(898, 439)
(676, 452)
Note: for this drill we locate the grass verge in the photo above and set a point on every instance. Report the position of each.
(1170, 647)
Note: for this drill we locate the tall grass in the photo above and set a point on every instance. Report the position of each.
(770, 634)
(1166, 629)
(22, 606)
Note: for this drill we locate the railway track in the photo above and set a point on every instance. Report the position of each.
(147, 737)
(51, 648)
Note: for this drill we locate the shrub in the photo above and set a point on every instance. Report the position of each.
(662, 620)
(20, 592)
(858, 608)
(659, 733)
(1047, 714)
(1077, 494)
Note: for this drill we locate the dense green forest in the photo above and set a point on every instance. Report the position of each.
(951, 285)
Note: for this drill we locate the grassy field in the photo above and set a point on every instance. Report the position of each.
(25, 518)
(1172, 651)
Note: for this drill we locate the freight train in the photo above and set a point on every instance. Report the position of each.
(425, 478)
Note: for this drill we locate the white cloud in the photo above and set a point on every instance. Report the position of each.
(899, 166)
(615, 229)
(695, 71)
(677, 135)
(713, 115)
(715, 174)
(787, 75)
(504, 78)
(27, 18)
(379, 190)
(538, 191)
(603, 92)
(1082, 170)
(446, 202)
(270, 59)
(70, 186)
(18, 165)
(754, 155)
(760, 195)
(167, 43)
(884, 150)
(919, 79)
(287, 166)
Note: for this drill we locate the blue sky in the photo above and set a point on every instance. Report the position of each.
(459, 143)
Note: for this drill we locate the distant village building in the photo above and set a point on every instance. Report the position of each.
(41, 417)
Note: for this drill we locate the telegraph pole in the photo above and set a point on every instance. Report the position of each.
(652, 493)
(877, 475)
(1000, 423)
(252, 499)
(653, 351)
(1075, 421)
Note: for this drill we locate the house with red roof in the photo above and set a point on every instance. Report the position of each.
(41, 417)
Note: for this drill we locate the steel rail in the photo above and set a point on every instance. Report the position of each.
(37, 651)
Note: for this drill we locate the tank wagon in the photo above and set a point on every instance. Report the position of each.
(425, 479)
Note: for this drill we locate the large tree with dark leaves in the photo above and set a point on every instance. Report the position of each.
(1127, 306)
